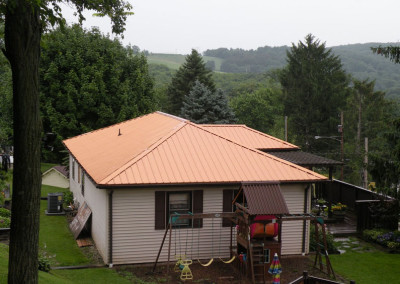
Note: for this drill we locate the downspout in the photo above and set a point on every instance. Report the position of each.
(110, 229)
(303, 246)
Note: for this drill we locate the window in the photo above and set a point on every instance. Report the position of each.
(73, 169)
(83, 183)
(267, 255)
(79, 173)
(227, 197)
(180, 203)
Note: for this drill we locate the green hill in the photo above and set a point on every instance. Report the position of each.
(358, 60)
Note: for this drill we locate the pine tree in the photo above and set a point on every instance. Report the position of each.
(315, 88)
(193, 69)
(202, 105)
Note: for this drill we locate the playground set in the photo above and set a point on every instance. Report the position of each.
(255, 237)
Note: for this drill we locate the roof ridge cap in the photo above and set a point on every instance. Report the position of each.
(144, 153)
(270, 136)
(261, 153)
(119, 123)
(172, 116)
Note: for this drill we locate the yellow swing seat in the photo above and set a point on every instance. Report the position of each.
(186, 273)
(228, 261)
(206, 264)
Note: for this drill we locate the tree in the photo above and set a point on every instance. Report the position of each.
(202, 105)
(314, 86)
(367, 114)
(193, 69)
(24, 23)
(89, 81)
(257, 109)
(392, 52)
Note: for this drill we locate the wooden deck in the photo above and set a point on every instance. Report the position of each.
(345, 228)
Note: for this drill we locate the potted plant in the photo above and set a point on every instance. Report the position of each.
(338, 211)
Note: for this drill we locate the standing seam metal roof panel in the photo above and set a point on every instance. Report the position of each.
(264, 198)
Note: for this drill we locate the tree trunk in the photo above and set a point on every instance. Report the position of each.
(22, 42)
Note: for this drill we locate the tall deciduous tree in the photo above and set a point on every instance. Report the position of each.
(315, 89)
(193, 69)
(258, 109)
(202, 105)
(89, 81)
(368, 114)
(24, 23)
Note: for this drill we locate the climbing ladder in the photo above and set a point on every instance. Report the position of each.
(322, 249)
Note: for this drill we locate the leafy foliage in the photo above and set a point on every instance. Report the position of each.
(202, 105)
(391, 52)
(90, 81)
(5, 212)
(257, 109)
(315, 89)
(314, 244)
(192, 70)
(366, 115)
(5, 222)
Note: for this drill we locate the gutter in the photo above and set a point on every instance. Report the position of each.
(110, 229)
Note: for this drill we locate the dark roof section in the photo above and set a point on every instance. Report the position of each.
(264, 198)
(62, 169)
(304, 159)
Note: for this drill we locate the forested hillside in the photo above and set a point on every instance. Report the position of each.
(357, 59)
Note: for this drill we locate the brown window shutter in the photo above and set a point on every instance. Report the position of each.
(227, 197)
(160, 218)
(197, 207)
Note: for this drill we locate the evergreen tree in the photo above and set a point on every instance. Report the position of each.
(203, 106)
(315, 89)
(193, 69)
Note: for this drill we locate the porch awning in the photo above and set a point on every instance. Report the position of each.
(264, 198)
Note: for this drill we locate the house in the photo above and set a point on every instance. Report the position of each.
(133, 174)
(56, 176)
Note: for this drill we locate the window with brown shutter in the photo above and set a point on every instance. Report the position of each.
(160, 217)
(182, 202)
(227, 197)
(197, 207)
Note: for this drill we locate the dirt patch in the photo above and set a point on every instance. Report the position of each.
(218, 272)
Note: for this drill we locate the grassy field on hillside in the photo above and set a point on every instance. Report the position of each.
(174, 61)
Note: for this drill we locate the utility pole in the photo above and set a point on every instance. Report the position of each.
(340, 129)
(365, 172)
(286, 128)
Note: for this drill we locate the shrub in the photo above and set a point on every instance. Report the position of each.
(5, 222)
(5, 212)
(44, 263)
(329, 240)
(68, 198)
(372, 235)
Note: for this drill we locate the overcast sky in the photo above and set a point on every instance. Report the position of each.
(177, 26)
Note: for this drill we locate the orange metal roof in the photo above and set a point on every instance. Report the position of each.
(249, 137)
(162, 149)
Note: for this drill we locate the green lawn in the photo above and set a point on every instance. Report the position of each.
(50, 189)
(46, 166)
(368, 267)
(174, 61)
(57, 242)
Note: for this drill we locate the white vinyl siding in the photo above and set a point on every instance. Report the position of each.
(55, 178)
(292, 231)
(136, 241)
(97, 200)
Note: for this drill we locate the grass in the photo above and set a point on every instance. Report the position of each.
(50, 189)
(174, 61)
(367, 267)
(57, 243)
(46, 166)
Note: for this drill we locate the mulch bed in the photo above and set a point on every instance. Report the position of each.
(218, 272)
